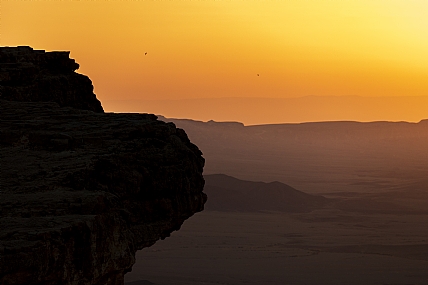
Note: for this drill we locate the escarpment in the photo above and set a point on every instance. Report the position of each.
(29, 75)
(82, 191)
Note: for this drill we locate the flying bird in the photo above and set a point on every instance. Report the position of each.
(145, 53)
(258, 74)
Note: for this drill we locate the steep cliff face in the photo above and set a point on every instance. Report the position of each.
(81, 192)
(29, 75)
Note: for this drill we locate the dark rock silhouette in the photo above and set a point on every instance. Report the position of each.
(29, 75)
(81, 192)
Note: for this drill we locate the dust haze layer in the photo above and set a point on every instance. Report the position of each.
(369, 229)
(324, 157)
(256, 111)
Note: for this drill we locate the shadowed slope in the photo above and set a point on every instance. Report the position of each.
(227, 193)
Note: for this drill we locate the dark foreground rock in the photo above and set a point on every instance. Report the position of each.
(29, 75)
(81, 192)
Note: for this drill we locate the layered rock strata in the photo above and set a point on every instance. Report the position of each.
(29, 75)
(81, 192)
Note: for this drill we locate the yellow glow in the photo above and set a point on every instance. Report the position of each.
(203, 49)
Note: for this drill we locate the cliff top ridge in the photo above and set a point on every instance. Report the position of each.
(29, 75)
(82, 190)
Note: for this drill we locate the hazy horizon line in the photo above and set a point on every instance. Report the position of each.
(295, 123)
(262, 111)
(270, 98)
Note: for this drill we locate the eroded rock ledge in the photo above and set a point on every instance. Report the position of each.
(29, 75)
(81, 191)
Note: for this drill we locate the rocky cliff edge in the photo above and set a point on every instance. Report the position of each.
(29, 75)
(81, 191)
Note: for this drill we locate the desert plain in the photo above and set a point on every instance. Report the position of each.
(320, 247)
(371, 229)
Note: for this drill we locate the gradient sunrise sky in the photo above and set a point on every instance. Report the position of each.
(210, 49)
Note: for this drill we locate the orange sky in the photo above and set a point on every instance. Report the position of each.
(209, 49)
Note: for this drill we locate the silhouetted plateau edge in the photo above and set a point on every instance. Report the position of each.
(83, 190)
(37, 76)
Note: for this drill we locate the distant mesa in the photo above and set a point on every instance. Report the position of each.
(227, 193)
(226, 124)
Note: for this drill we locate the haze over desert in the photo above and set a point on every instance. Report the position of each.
(360, 220)
(214, 142)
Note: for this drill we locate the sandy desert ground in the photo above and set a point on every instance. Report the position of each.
(325, 246)
(373, 230)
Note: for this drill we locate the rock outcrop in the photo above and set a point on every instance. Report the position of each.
(29, 75)
(81, 192)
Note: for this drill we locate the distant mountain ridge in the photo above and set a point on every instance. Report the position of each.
(256, 111)
(318, 157)
(227, 193)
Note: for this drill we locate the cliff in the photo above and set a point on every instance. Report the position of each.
(29, 75)
(82, 191)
